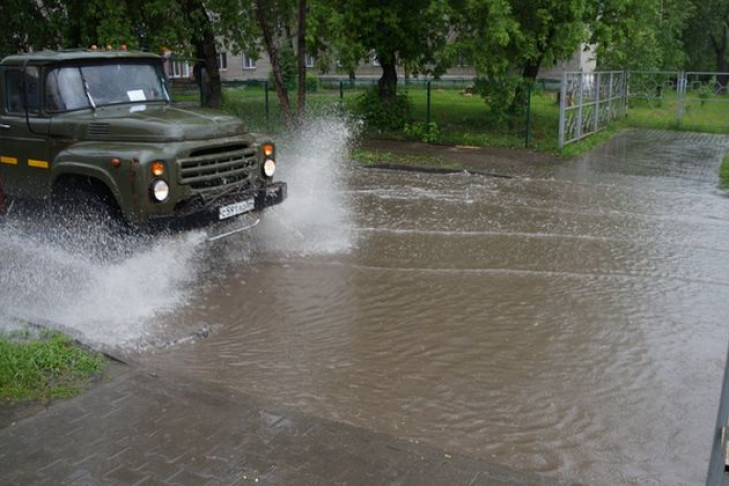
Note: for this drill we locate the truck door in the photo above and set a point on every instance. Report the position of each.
(24, 144)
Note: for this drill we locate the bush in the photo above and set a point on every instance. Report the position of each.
(312, 83)
(501, 94)
(383, 116)
(425, 132)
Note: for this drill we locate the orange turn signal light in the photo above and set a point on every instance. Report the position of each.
(158, 168)
(115, 162)
(268, 149)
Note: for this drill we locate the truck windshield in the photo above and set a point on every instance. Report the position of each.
(78, 87)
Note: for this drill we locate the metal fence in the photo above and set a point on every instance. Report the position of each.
(691, 99)
(442, 110)
(670, 99)
(588, 102)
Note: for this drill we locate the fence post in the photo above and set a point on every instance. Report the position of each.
(528, 132)
(341, 92)
(611, 115)
(597, 100)
(562, 109)
(265, 90)
(578, 125)
(717, 473)
(680, 96)
(427, 110)
(625, 90)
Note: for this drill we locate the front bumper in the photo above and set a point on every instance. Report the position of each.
(206, 214)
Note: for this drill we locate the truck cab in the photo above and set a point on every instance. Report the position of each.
(99, 128)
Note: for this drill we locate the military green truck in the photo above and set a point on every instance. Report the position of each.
(98, 130)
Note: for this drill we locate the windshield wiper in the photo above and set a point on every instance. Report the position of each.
(86, 89)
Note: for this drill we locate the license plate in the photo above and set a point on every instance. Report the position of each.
(235, 209)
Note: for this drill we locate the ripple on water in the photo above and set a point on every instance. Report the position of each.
(572, 325)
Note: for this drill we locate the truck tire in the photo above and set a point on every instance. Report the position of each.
(90, 222)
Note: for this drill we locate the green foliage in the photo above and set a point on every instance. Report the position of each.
(501, 95)
(425, 132)
(312, 83)
(724, 173)
(411, 33)
(706, 91)
(44, 367)
(639, 34)
(289, 72)
(706, 35)
(384, 116)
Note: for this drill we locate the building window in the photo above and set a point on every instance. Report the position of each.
(310, 61)
(248, 62)
(222, 61)
(179, 69)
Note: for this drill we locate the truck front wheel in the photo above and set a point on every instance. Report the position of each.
(89, 220)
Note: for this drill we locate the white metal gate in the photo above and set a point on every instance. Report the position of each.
(588, 102)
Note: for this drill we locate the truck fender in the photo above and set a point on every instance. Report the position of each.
(63, 168)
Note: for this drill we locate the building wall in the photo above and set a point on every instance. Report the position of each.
(583, 60)
(236, 70)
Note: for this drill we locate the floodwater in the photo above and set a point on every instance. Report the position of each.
(569, 320)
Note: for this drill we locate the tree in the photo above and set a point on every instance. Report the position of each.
(548, 30)
(639, 34)
(24, 26)
(407, 33)
(136, 23)
(707, 36)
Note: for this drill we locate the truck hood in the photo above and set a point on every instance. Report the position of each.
(147, 123)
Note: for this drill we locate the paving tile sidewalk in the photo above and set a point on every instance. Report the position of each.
(144, 429)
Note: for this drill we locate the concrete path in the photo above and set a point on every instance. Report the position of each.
(139, 429)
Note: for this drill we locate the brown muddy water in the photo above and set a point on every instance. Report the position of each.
(569, 320)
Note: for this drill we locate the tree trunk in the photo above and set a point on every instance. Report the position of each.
(387, 85)
(301, 51)
(207, 74)
(528, 75)
(531, 70)
(209, 80)
(720, 47)
(274, 54)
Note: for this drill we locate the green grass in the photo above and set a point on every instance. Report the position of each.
(369, 158)
(724, 173)
(460, 119)
(698, 115)
(43, 365)
(465, 120)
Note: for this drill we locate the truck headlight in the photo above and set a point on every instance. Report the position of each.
(269, 167)
(160, 190)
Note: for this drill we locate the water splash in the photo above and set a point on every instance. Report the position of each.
(122, 303)
(315, 218)
(103, 303)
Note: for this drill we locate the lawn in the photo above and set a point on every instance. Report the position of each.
(459, 118)
(43, 365)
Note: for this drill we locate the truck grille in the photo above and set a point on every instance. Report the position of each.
(217, 167)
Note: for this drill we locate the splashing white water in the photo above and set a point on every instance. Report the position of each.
(107, 304)
(315, 218)
(122, 303)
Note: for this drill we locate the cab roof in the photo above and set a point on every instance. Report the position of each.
(84, 55)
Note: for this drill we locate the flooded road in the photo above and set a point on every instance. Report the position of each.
(568, 320)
